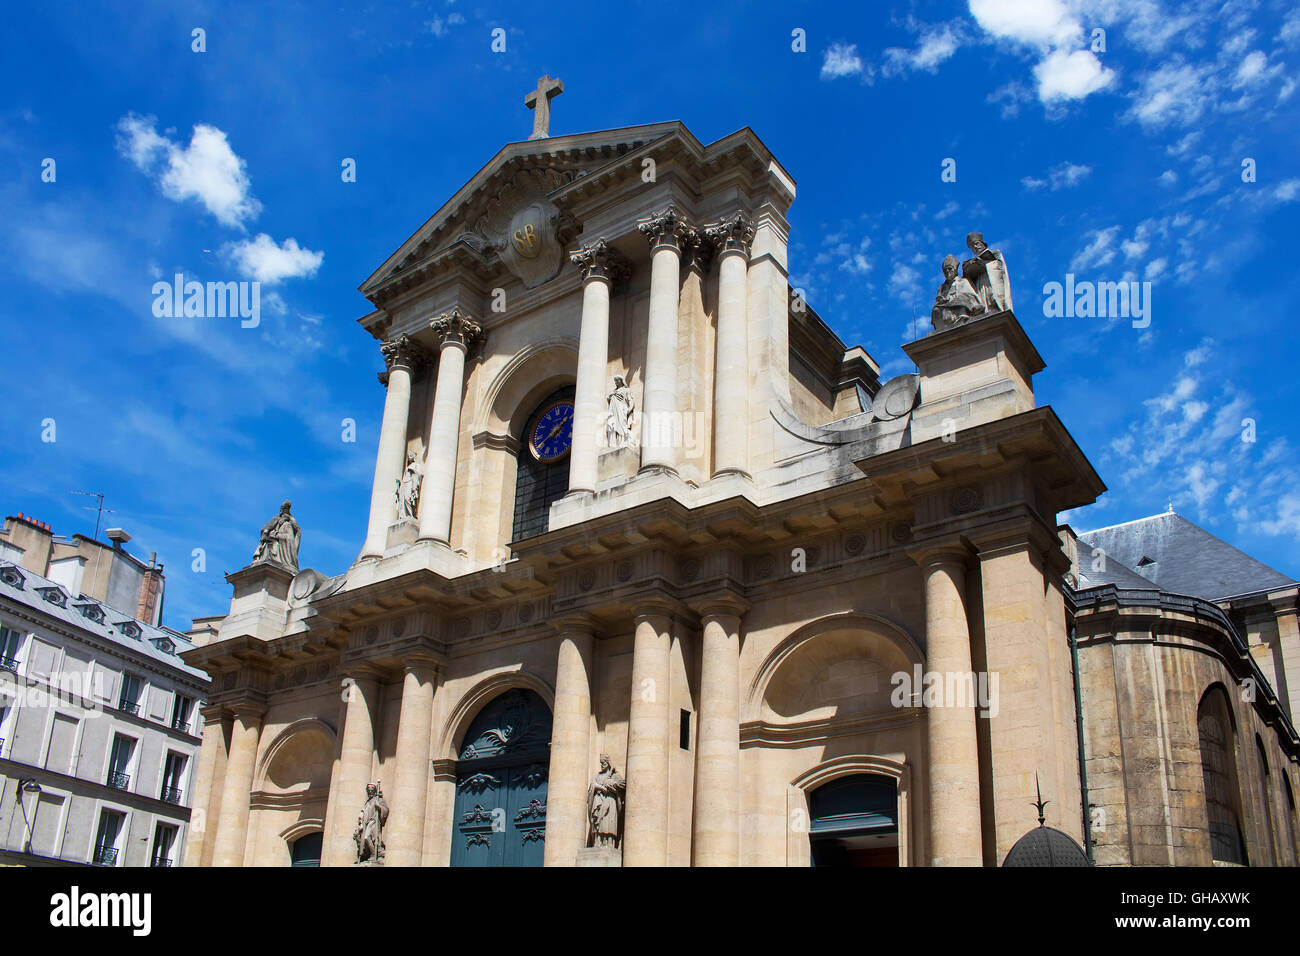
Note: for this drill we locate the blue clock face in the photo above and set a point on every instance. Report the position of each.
(553, 434)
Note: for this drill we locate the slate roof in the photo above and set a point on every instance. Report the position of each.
(1046, 846)
(1176, 555)
(42, 594)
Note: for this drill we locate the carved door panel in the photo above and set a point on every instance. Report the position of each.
(499, 818)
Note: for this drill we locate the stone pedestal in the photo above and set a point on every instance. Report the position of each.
(260, 602)
(616, 465)
(600, 856)
(972, 374)
(402, 534)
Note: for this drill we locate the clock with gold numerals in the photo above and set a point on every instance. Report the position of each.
(552, 436)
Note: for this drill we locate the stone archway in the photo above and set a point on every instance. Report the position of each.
(501, 770)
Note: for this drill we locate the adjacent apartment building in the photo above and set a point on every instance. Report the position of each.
(99, 718)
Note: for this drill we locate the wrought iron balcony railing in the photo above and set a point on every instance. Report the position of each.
(8, 664)
(131, 707)
(171, 794)
(160, 861)
(105, 855)
(119, 781)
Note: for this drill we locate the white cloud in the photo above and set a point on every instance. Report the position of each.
(1173, 93)
(439, 27)
(1071, 76)
(207, 169)
(1068, 175)
(1288, 190)
(261, 259)
(1032, 184)
(841, 60)
(936, 46)
(1251, 68)
(1167, 178)
(1099, 251)
(1155, 269)
(1032, 22)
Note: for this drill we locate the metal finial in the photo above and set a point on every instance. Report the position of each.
(1040, 803)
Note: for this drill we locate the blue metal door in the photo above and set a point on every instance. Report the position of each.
(500, 811)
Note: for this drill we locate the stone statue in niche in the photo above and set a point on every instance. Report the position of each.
(986, 271)
(605, 805)
(408, 488)
(956, 300)
(618, 420)
(278, 543)
(368, 835)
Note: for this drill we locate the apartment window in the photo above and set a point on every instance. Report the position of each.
(10, 642)
(164, 838)
(119, 762)
(173, 771)
(181, 712)
(110, 828)
(129, 702)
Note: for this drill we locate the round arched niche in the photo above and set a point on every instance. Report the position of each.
(300, 758)
(528, 377)
(833, 668)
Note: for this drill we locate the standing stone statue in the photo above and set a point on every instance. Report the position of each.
(987, 272)
(279, 540)
(368, 835)
(605, 805)
(956, 300)
(408, 488)
(618, 420)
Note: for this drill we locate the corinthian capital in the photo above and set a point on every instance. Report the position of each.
(668, 228)
(401, 352)
(732, 234)
(599, 260)
(456, 328)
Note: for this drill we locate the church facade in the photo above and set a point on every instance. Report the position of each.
(658, 572)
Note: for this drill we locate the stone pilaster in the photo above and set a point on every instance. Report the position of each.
(401, 357)
(570, 770)
(405, 835)
(661, 416)
(356, 756)
(232, 827)
(209, 780)
(601, 267)
(457, 334)
(955, 826)
(716, 838)
(645, 828)
(731, 388)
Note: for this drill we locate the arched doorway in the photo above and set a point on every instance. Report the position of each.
(501, 771)
(305, 851)
(853, 821)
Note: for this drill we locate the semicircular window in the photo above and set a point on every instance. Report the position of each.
(542, 477)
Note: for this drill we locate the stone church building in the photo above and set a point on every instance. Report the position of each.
(659, 572)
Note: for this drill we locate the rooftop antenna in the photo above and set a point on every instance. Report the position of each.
(99, 511)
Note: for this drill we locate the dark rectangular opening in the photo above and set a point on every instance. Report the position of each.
(685, 737)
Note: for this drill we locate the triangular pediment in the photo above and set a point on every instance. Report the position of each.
(476, 216)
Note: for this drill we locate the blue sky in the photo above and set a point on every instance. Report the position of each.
(1115, 164)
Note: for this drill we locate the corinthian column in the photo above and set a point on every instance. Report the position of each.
(401, 356)
(955, 835)
(661, 418)
(601, 266)
(457, 332)
(566, 795)
(410, 797)
(232, 828)
(731, 364)
(645, 828)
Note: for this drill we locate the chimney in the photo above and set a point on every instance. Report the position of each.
(151, 586)
(118, 537)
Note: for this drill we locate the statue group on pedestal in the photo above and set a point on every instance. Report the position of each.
(605, 806)
(978, 286)
(279, 540)
(368, 835)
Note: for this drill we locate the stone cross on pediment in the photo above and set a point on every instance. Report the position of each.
(539, 101)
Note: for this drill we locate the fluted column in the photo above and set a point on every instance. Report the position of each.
(405, 834)
(209, 780)
(457, 333)
(955, 836)
(356, 756)
(232, 827)
(731, 363)
(716, 818)
(601, 266)
(401, 356)
(661, 418)
(570, 770)
(645, 829)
